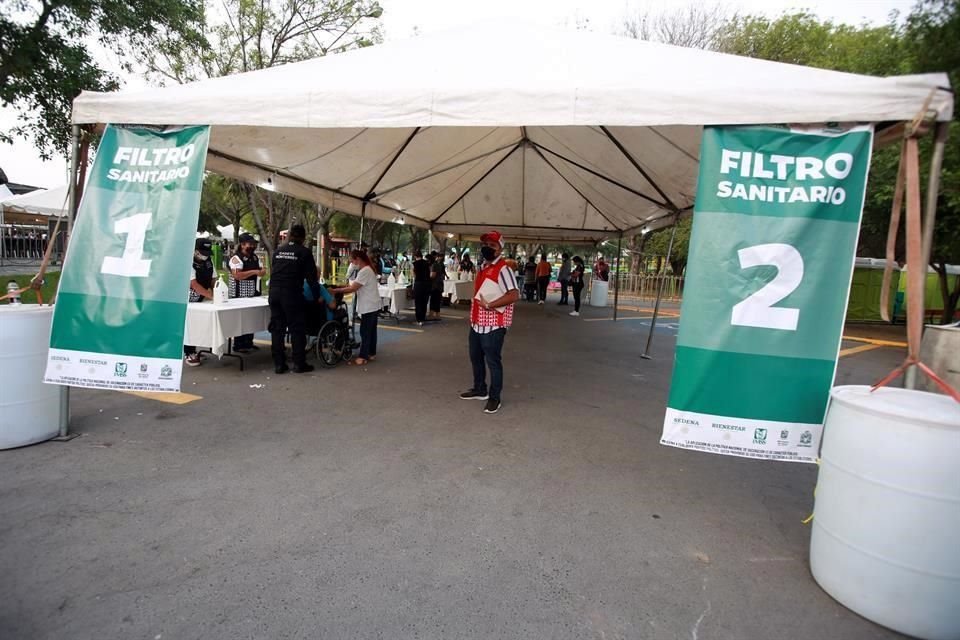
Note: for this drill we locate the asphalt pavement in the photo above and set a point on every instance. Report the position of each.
(371, 502)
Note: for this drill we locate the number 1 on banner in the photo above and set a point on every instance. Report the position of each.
(131, 264)
(758, 310)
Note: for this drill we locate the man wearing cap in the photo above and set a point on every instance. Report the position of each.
(292, 264)
(244, 271)
(491, 314)
(201, 287)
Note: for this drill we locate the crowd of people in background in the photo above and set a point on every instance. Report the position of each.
(295, 284)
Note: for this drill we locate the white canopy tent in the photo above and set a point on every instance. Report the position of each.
(542, 133)
(43, 202)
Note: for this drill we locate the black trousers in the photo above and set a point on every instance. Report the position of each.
(542, 283)
(577, 288)
(529, 290)
(563, 291)
(485, 353)
(436, 299)
(368, 335)
(421, 296)
(288, 314)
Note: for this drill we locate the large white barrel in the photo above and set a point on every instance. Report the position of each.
(29, 409)
(599, 292)
(886, 527)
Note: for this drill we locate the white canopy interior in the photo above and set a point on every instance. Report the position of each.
(541, 133)
(44, 202)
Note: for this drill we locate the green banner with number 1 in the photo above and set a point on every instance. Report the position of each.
(771, 256)
(119, 316)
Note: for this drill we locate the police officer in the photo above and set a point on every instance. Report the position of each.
(292, 264)
(244, 270)
(201, 287)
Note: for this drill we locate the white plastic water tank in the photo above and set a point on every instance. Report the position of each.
(886, 529)
(29, 409)
(599, 292)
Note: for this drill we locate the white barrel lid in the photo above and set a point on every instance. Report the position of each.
(909, 404)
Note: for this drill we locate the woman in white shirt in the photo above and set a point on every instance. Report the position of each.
(366, 286)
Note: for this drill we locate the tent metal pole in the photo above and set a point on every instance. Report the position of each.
(663, 279)
(71, 216)
(616, 278)
(930, 216)
(363, 215)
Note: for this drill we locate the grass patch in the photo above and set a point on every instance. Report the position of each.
(49, 288)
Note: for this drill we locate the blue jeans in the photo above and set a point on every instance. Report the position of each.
(368, 335)
(485, 351)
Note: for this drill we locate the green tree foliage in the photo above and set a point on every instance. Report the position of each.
(45, 58)
(925, 41)
(249, 35)
(658, 242)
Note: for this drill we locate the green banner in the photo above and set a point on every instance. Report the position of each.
(771, 256)
(119, 316)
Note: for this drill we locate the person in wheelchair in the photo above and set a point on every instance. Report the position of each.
(328, 324)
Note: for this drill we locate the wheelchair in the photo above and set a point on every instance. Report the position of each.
(334, 342)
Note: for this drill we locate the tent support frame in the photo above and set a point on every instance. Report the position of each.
(72, 204)
(373, 189)
(638, 167)
(663, 272)
(579, 193)
(603, 177)
(474, 185)
(377, 196)
(616, 277)
(930, 217)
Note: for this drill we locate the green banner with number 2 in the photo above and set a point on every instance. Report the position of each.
(771, 256)
(119, 316)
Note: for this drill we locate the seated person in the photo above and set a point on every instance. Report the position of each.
(315, 293)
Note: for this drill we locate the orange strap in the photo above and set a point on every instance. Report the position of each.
(916, 271)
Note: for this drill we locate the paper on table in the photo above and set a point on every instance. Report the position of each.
(490, 291)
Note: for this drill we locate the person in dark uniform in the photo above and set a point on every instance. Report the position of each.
(201, 288)
(292, 264)
(421, 286)
(437, 276)
(244, 271)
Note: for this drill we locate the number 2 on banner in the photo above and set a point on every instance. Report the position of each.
(758, 310)
(131, 264)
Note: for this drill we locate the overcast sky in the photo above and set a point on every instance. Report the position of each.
(404, 18)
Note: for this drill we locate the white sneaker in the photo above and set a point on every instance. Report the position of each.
(574, 313)
(541, 302)
(192, 360)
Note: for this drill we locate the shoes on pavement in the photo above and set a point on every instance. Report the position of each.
(192, 360)
(574, 313)
(541, 302)
(281, 369)
(307, 368)
(473, 394)
(492, 406)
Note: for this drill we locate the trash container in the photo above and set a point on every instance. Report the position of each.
(599, 292)
(29, 409)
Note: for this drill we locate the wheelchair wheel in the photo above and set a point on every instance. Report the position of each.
(331, 343)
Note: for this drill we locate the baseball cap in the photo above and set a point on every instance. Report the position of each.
(246, 237)
(492, 236)
(204, 246)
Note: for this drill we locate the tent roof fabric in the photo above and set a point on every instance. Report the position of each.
(545, 133)
(45, 202)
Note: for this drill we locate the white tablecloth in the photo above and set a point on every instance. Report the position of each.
(211, 325)
(458, 289)
(395, 295)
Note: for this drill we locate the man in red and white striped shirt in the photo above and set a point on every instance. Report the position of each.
(491, 314)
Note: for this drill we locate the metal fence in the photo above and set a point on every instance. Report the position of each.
(644, 286)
